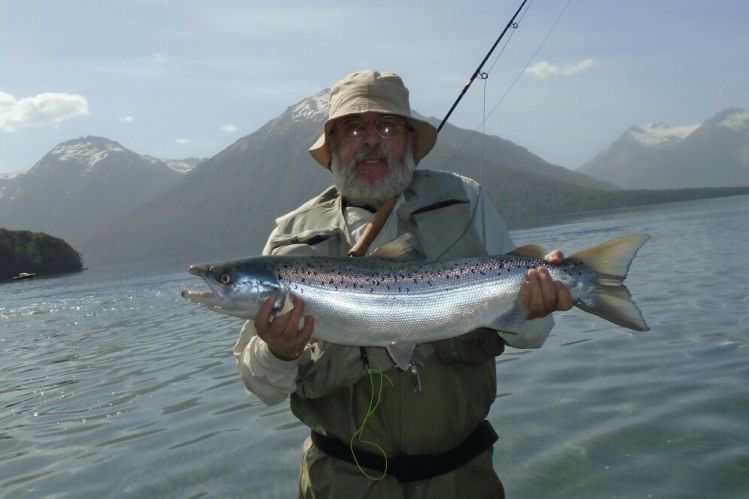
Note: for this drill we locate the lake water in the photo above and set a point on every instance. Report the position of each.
(114, 386)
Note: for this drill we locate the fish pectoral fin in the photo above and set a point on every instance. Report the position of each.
(511, 321)
(402, 248)
(402, 354)
(528, 250)
(283, 304)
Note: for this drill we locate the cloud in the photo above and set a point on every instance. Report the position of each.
(127, 119)
(229, 128)
(39, 110)
(182, 141)
(545, 69)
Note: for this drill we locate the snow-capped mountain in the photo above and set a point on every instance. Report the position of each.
(660, 135)
(314, 108)
(227, 205)
(82, 185)
(182, 166)
(657, 156)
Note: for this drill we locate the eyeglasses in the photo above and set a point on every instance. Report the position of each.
(387, 127)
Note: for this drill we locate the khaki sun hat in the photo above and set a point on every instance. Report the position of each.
(372, 91)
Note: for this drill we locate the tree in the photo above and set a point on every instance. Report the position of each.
(35, 252)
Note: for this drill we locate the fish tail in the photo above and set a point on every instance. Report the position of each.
(610, 298)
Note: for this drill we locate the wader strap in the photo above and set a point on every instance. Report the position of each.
(410, 468)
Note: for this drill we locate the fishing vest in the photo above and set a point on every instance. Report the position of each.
(457, 376)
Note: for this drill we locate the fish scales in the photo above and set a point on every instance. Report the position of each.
(386, 301)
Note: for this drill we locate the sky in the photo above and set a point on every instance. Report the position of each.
(179, 79)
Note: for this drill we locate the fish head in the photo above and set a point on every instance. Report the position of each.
(236, 288)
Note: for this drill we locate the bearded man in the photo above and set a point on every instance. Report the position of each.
(428, 435)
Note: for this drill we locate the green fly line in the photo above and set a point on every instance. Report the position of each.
(373, 404)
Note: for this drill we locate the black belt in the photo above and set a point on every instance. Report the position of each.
(410, 468)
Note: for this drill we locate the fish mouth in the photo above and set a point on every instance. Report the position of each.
(206, 298)
(197, 270)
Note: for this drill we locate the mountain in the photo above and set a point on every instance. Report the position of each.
(657, 156)
(181, 165)
(117, 206)
(228, 202)
(227, 205)
(80, 187)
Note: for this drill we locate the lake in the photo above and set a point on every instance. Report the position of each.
(114, 386)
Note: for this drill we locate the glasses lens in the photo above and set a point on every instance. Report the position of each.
(389, 127)
(353, 128)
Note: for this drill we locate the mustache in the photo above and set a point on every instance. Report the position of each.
(368, 153)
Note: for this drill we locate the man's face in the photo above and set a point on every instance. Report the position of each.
(368, 153)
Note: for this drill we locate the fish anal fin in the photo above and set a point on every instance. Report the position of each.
(402, 354)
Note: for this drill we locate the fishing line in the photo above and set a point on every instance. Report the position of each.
(485, 117)
(373, 404)
(481, 65)
(532, 57)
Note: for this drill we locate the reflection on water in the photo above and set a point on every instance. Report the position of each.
(114, 386)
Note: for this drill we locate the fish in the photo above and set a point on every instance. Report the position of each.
(396, 301)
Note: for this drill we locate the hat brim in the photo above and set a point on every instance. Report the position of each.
(426, 132)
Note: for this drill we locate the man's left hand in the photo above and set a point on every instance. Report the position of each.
(540, 294)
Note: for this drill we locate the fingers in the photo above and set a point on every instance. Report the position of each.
(262, 319)
(282, 334)
(542, 292)
(555, 257)
(564, 297)
(541, 295)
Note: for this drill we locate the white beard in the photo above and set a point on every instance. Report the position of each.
(359, 191)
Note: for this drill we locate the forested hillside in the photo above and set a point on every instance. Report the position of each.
(35, 253)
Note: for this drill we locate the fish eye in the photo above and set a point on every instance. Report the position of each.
(224, 279)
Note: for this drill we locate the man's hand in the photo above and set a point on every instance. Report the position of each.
(540, 294)
(282, 334)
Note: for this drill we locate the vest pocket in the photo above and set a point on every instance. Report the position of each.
(307, 243)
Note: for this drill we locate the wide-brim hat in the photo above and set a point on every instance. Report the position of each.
(372, 91)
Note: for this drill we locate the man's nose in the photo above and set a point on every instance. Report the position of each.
(371, 137)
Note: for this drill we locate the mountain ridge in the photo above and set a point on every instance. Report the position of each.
(714, 153)
(116, 209)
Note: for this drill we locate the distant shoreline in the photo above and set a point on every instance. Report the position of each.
(533, 222)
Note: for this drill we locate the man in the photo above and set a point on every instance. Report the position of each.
(427, 436)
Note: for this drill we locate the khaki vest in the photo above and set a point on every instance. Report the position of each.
(458, 376)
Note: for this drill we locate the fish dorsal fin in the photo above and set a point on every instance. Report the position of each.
(528, 250)
(403, 247)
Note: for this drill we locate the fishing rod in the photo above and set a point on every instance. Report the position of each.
(476, 73)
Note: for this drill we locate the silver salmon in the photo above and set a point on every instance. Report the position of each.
(382, 301)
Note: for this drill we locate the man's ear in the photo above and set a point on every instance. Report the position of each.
(414, 144)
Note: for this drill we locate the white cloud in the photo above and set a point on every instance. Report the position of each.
(127, 119)
(39, 110)
(183, 141)
(229, 128)
(545, 69)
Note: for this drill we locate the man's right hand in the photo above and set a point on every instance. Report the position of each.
(282, 334)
